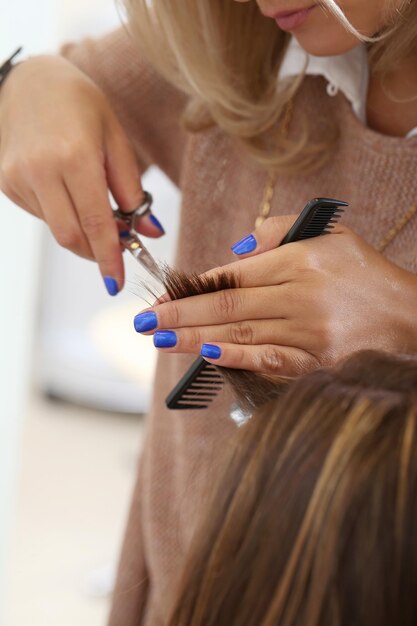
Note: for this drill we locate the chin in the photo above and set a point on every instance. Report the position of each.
(326, 43)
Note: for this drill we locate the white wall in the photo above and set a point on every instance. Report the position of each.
(19, 251)
(25, 246)
(38, 26)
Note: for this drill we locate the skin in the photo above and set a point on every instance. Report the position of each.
(59, 162)
(300, 319)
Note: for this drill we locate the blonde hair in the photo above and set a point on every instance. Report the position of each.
(226, 57)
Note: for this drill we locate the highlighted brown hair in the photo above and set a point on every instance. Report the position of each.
(313, 519)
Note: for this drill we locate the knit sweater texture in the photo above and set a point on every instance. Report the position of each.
(222, 190)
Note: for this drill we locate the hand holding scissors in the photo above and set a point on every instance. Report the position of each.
(130, 239)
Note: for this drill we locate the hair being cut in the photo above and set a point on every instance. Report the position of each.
(312, 521)
(250, 389)
(226, 57)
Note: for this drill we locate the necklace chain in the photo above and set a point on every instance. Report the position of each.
(268, 193)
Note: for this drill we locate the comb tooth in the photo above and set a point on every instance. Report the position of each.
(184, 407)
(210, 374)
(323, 218)
(199, 386)
(203, 387)
(206, 367)
(330, 212)
(197, 397)
(315, 230)
(195, 400)
(200, 394)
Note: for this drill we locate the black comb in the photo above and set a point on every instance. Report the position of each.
(203, 381)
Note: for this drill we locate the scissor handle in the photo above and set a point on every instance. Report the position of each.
(143, 209)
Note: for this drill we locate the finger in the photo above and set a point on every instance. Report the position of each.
(59, 213)
(87, 187)
(267, 359)
(295, 262)
(266, 237)
(124, 181)
(221, 307)
(266, 271)
(252, 332)
(269, 236)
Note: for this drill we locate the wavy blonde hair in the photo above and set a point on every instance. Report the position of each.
(226, 57)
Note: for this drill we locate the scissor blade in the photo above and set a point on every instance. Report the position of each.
(142, 254)
(150, 264)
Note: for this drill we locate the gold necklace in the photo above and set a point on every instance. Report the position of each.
(265, 207)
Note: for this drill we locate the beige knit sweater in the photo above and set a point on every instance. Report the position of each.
(222, 191)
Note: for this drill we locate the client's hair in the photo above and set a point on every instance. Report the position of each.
(313, 521)
(251, 389)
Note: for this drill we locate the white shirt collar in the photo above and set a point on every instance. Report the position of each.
(347, 73)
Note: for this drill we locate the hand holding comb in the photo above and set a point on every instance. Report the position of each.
(203, 381)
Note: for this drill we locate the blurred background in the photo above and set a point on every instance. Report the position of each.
(75, 382)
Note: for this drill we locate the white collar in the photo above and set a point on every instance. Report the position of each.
(347, 72)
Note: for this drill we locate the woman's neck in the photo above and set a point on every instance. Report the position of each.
(392, 100)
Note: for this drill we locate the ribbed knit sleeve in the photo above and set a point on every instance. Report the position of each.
(148, 107)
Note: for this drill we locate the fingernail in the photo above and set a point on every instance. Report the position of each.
(156, 223)
(210, 351)
(165, 339)
(245, 245)
(111, 285)
(145, 321)
(124, 233)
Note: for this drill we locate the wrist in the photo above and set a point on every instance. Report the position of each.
(7, 66)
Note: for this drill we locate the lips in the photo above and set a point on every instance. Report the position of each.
(289, 20)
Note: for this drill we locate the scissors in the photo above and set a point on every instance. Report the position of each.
(130, 240)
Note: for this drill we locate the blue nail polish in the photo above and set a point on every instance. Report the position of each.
(165, 339)
(111, 285)
(245, 245)
(157, 223)
(210, 351)
(124, 233)
(144, 322)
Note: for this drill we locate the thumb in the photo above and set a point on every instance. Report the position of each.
(266, 237)
(124, 182)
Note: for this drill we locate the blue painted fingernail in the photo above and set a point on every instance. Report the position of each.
(210, 351)
(111, 285)
(144, 322)
(245, 245)
(124, 233)
(165, 339)
(156, 223)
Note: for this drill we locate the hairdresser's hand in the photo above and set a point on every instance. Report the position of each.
(61, 149)
(297, 307)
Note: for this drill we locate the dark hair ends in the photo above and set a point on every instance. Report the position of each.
(250, 389)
